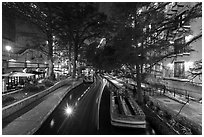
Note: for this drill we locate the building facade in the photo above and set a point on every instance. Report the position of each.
(19, 39)
(175, 71)
(19, 53)
(179, 66)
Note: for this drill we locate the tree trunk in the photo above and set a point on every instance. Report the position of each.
(69, 67)
(51, 74)
(75, 60)
(74, 69)
(69, 63)
(139, 90)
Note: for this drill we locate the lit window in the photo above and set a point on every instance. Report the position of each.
(179, 46)
(188, 38)
(179, 69)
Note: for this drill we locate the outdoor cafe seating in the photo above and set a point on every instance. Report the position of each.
(15, 80)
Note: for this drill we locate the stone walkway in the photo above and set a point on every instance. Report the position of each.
(29, 122)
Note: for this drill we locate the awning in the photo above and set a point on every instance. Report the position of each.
(17, 74)
(6, 75)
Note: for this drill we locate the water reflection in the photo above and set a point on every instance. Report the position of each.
(52, 122)
(68, 110)
(70, 97)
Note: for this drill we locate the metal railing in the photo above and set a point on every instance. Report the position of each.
(12, 64)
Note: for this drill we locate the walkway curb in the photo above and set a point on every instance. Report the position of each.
(48, 114)
(12, 108)
(30, 122)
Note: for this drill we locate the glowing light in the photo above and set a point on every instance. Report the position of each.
(188, 38)
(116, 82)
(27, 61)
(187, 26)
(70, 97)
(142, 85)
(33, 5)
(103, 41)
(8, 48)
(188, 65)
(156, 3)
(68, 110)
(40, 81)
(52, 122)
(12, 60)
(140, 11)
(133, 24)
(150, 26)
(24, 70)
(171, 42)
(170, 65)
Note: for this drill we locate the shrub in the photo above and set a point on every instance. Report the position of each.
(150, 104)
(31, 88)
(157, 109)
(7, 99)
(41, 87)
(161, 113)
(172, 122)
(48, 83)
(154, 108)
(167, 116)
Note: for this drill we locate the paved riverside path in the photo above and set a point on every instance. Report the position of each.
(192, 110)
(29, 122)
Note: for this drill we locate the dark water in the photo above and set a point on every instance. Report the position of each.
(52, 126)
(105, 125)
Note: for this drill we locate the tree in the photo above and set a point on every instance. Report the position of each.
(63, 50)
(196, 70)
(40, 14)
(153, 33)
(102, 58)
(80, 22)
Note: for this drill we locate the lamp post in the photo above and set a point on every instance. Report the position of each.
(8, 48)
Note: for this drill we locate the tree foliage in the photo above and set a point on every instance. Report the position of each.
(67, 25)
(79, 22)
(151, 32)
(40, 14)
(102, 58)
(154, 33)
(196, 71)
